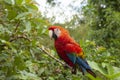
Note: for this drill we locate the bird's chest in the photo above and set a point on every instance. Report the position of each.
(61, 51)
(60, 47)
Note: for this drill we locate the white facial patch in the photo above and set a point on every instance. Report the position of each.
(50, 33)
(57, 32)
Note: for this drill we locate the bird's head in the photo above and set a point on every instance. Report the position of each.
(57, 31)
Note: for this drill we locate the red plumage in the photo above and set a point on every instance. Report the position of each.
(65, 45)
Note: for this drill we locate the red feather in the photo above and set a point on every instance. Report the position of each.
(64, 45)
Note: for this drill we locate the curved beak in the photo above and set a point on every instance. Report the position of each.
(50, 34)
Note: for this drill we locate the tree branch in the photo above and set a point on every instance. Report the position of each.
(13, 37)
(16, 27)
(47, 51)
(18, 37)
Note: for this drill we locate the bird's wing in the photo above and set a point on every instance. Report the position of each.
(77, 58)
(74, 48)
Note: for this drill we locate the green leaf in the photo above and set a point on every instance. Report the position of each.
(110, 69)
(115, 76)
(32, 7)
(5, 42)
(95, 66)
(27, 1)
(9, 1)
(51, 78)
(18, 61)
(11, 14)
(41, 70)
(28, 26)
(24, 14)
(92, 78)
(28, 76)
(18, 2)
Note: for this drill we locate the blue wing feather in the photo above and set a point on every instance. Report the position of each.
(83, 65)
(72, 57)
(78, 60)
(82, 62)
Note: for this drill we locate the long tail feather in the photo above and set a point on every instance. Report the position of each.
(85, 66)
(83, 63)
(91, 72)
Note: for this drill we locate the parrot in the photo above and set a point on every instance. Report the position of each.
(69, 50)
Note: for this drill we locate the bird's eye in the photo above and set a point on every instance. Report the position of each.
(57, 32)
(57, 29)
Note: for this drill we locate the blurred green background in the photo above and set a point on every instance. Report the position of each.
(23, 34)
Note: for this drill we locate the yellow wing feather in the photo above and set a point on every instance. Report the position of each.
(81, 54)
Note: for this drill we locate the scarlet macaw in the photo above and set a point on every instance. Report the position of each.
(69, 50)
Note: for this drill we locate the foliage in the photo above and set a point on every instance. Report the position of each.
(21, 27)
(103, 19)
(103, 63)
(105, 22)
(23, 30)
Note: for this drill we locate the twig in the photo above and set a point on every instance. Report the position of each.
(13, 37)
(16, 27)
(18, 37)
(46, 51)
